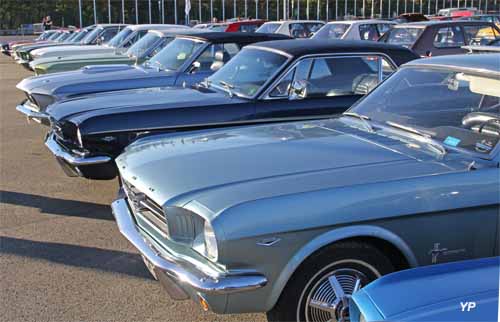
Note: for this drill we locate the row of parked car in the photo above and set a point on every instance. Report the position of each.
(261, 173)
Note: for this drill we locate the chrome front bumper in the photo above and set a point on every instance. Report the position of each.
(178, 276)
(60, 152)
(32, 114)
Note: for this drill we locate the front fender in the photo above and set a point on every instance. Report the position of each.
(328, 238)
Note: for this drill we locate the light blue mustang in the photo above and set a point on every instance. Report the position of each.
(291, 218)
(461, 291)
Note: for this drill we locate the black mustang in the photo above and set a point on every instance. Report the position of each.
(266, 82)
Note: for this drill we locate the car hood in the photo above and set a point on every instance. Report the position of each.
(226, 167)
(70, 50)
(81, 108)
(68, 83)
(436, 291)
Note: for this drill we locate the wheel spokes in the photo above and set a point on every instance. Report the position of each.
(323, 306)
(338, 289)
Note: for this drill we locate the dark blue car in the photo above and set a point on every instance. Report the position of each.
(461, 291)
(188, 59)
(271, 81)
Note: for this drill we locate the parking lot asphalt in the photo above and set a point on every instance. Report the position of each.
(61, 255)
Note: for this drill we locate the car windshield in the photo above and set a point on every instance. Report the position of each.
(458, 110)
(245, 74)
(54, 35)
(143, 45)
(119, 38)
(44, 35)
(91, 36)
(403, 36)
(268, 28)
(332, 31)
(79, 36)
(71, 37)
(175, 54)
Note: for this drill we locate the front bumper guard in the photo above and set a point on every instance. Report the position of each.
(76, 161)
(179, 273)
(32, 114)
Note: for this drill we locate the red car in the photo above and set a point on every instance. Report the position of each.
(237, 26)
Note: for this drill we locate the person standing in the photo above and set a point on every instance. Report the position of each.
(47, 23)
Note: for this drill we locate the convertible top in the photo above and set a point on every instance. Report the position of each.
(301, 47)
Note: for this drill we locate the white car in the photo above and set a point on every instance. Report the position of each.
(354, 29)
(292, 28)
(124, 39)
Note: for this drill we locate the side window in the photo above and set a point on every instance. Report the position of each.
(313, 27)
(480, 35)
(387, 69)
(383, 28)
(108, 33)
(338, 76)
(298, 30)
(299, 72)
(247, 28)
(449, 37)
(368, 32)
(216, 55)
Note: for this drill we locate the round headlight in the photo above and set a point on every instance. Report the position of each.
(210, 242)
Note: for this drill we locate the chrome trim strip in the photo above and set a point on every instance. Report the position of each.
(59, 151)
(273, 50)
(31, 114)
(180, 271)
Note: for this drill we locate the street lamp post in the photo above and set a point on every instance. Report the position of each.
(136, 12)
(80, 12)
(149, 4)
(109, 11)
(123, 11)
(95, 14)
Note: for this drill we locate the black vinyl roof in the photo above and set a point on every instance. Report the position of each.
(302, 47)
(481, 64)
(223, 37)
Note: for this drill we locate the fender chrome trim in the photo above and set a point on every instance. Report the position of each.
(180, 272)
(59, 152)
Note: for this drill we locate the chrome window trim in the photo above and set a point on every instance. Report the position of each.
(265, 95)
(273, 50)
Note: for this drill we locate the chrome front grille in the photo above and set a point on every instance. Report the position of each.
(146, 209)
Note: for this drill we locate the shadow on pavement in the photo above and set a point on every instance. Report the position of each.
(111, 261)
(57, 206)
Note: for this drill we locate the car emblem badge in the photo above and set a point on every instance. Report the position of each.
(436, 251)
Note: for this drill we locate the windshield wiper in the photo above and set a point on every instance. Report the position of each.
(363, 118)
(438, 147)
(229, 87)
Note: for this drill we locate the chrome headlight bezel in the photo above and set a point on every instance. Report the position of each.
(210, 242)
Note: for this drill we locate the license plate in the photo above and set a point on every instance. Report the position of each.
(150, 267)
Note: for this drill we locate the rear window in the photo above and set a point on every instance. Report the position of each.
(403, 36)
(218, 28)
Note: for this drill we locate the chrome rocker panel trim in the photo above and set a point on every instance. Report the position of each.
(59, 152)
(39, 117)
(179, 271)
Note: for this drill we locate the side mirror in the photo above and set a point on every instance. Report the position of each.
(298, 90)
(194, 67)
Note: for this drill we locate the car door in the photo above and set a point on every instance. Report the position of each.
(210, 60)
(331, 84)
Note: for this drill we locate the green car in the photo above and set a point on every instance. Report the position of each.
(141, 51)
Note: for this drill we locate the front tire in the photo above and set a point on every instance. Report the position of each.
(319, 290)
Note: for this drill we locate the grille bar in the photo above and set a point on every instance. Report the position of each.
(146, 208)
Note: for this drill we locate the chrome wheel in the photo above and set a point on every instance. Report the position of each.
(328, 298)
